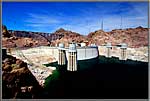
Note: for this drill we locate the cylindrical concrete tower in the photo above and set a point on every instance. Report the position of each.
(123, 51)
(72, 57)
(62, 55)
(108, 50)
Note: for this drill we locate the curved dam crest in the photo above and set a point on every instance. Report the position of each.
(83, 53)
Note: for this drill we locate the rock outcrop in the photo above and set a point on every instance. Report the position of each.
(5, 32)
(15, 76)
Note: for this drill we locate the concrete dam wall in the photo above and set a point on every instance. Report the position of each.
(64, 56)
(86, 53)
(83, 53)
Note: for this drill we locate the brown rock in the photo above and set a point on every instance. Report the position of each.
(5, 32)
(7, 68)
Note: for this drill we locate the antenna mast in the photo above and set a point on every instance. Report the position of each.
(121, 23)
(102, 24)
(88, 27)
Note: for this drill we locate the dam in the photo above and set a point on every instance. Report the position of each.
(73, 54)
(98, 69)
(37, 57)
(69, 57)
(83, 53)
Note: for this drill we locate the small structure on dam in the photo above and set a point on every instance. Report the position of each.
(73, 54)
(108, 50)
(62, 55)
(72, 57)
(123, 51)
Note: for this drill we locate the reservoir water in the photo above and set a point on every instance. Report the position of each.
(106, 78)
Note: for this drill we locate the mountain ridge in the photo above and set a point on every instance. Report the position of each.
(134, 37)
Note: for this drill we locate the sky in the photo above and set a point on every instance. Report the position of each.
(81, 17)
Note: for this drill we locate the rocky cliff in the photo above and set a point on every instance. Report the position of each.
(18, 81)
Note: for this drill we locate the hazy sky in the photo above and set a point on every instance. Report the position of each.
(81, 17)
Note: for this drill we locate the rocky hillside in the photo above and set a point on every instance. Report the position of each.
(134, 37)
(68, 36)
(20, 39)
(18, 81)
